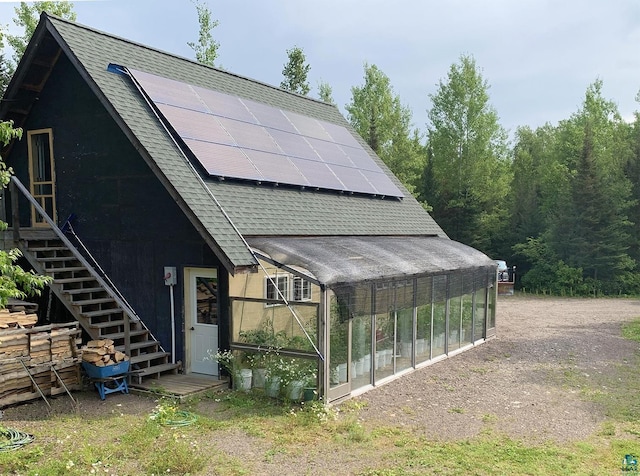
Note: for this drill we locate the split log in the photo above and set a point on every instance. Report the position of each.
(41, 350)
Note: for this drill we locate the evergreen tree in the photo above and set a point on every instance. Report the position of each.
(584, 200)
(378, 116)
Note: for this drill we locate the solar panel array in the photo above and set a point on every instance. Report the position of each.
(238, 138)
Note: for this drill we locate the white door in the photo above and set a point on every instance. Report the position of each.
(201, 316)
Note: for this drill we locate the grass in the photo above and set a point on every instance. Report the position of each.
(298, 437)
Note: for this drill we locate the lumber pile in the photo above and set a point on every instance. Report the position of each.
(101, 353)
(17, 319)
(27, 353)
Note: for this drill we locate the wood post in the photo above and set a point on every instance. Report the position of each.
(15, 210)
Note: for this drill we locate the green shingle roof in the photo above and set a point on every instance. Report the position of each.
(238, 209)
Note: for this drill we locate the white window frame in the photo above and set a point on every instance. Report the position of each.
(301, 285)
(272, 283)
(289, 286)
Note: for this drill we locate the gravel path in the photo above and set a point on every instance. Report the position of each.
(520, 382)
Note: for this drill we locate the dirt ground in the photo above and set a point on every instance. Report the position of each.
(518, 383)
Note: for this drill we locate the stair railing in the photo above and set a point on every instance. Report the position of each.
(97, 266)
(128, 312)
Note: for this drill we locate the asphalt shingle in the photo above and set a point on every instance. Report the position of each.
(254, 210)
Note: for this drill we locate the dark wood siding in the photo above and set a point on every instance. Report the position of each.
(124, 215)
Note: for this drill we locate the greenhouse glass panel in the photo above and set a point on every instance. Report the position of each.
(384, 331)
(423, 319)
(439, 315)
(480, 317)
(361, 351)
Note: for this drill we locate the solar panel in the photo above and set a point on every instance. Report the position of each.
(232, 137)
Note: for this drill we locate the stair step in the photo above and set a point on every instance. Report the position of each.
(104, 325)
(66, 269)
(78, 279)
(155, 369)
(139, 345)
(103, 312)
(120, 335)
(148, 357)
(89, 302)
(58, 259)
(83, 290)
(37, 249)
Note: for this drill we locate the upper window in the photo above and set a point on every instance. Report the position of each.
(277, 287)
(291, 288)
(41, 173)
(301, 289)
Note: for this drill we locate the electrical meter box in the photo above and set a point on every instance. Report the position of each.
(170, 278)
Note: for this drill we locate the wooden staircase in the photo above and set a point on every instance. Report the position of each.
(100, 310)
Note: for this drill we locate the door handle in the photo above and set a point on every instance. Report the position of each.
(193, 329)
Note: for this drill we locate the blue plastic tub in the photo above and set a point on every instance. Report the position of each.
(107, 371)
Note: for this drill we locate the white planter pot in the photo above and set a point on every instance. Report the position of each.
(259, 376)
(244, 382)
(388, 357)
(380, 358)
(366, 363)
(272, 387)
(334, 376)
(294, 390)
(406, 350)
(359, 367)
(421, 346)
(342, 372)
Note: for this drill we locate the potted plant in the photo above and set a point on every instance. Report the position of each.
(240, 377)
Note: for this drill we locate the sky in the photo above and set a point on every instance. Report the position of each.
(538, 56)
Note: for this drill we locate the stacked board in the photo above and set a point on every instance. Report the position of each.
(27, 353)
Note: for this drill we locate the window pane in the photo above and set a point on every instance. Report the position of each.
(338, 343)
(41, 157)
(361, 351)
(301, 289)
(207, 300)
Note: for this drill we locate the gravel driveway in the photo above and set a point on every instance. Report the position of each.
(525, 382)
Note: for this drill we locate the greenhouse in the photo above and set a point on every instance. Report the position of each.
(344, 314)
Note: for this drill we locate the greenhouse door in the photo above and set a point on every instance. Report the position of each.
(201, 318)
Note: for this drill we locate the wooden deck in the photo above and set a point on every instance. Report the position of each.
(180, 386)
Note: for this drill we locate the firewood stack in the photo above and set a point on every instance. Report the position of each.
(36, 351)
(101, 353)
(17, 319)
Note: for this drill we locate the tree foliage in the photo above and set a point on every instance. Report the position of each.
(5, 73)
(206, 49)
(295, 72)
(378, 115)
(468, 158)
(325, 92)
(573, 194)
(15, 282)
(27, 17)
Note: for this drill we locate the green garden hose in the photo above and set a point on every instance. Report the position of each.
(11, 439)
(176, 419)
